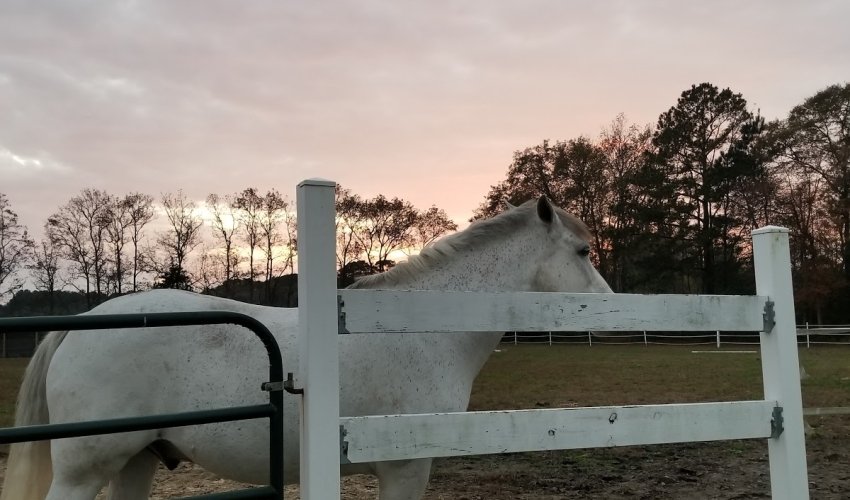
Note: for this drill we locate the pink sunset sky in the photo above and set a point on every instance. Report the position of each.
(422, 100)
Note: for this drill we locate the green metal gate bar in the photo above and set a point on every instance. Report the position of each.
(130, 424)
(261, 493)
(273, 411)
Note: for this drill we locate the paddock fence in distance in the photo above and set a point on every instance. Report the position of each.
(22, 345)
(807, 336)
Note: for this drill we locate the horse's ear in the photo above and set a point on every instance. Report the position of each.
(545, 210)
(507, 205)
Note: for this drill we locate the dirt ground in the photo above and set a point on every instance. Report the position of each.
(728, 470)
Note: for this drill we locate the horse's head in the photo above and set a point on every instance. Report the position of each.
(565, 265)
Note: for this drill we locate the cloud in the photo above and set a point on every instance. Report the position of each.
(423, 100)
(12, 164)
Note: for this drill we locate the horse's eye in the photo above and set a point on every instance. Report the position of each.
(585, 251)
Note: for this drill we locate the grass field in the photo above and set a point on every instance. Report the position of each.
(529, 376)
(562, 376)
(11, 373)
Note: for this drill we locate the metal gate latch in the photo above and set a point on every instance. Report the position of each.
(287, 385)
(272, 386)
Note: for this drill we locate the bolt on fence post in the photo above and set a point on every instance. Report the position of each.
(318, 351)
(780, 364)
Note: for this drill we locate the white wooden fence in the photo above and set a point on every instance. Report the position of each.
(778, 418)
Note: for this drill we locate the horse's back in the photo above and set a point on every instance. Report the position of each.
(161, 368)
(168, 300)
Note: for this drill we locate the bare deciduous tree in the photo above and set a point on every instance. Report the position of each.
(290, 225)
(45, 267)
(180, 239)
(209, 272)
(384, 227)
(119, 220)
(250, 205)
(79, 228)
(429, 225)
(141, 213)
(274, 213)
(225, 224)
(15, 247)
(348, 248)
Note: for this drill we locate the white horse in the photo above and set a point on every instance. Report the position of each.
(88, 375)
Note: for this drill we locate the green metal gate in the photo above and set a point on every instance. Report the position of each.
(273, 410)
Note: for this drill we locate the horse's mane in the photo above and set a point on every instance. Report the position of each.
(477, 234)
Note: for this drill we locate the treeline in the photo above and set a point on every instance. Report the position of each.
(102, 245)
(672, 206)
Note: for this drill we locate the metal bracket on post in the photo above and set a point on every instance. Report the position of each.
(769, 317)
(340, 306)
(289, 385)
(343, 447)
(777, 423)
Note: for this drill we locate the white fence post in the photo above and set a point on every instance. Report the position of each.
(780, 364)
(318, 351)
(718, 339)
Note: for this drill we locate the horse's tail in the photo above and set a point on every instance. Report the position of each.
(28, 468)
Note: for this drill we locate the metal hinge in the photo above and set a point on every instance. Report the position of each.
(340, 305)
(769, 317)
(343, 446)
(777, 422)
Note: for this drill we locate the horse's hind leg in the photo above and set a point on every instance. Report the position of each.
(73, 480)
(74, 487)
(75, 483)
(132, 482)
(82, 466)
(135, 479)
(403, 480)
(76, 490)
